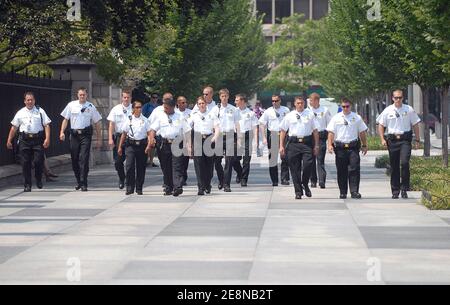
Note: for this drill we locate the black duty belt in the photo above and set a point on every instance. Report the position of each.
(304, 140)
(82, 132)
(32, 136)
(137, 142)
(351, 145)
(407, 136)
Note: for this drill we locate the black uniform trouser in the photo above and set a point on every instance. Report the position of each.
(348, 164)
(80, 149)
(136, 166)
(244, 170)
(119, 160)
(274, 169)
(185, 162)
(29, 150)
(231, 161)
(318, 171)
(172, 168)
(400, 155)
(204, 167)
(300, 158)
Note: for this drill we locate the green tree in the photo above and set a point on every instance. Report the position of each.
(292, 54)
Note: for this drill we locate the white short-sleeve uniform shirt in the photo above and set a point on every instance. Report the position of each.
(300, 124)
(31, 121)
(346, 128)
(81, 116)
(118, 115)
(272, 118)
(398, 120)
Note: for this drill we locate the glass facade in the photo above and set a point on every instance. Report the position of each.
(264, 7)
(302, 7)
(320, 8)
(282, 10)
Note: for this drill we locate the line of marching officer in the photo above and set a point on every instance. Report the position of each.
(212, 132)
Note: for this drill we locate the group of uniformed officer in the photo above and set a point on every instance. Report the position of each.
(211, 132)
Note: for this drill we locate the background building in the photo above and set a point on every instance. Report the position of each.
(275, 10)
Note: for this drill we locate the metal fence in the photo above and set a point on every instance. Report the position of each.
(51, 95)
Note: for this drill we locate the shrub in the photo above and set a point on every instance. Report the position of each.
(382, 161)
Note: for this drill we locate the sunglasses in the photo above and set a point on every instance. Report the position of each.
(398, 97)
(346, 106)
(275, 101)
(154, 97)
(138, 107)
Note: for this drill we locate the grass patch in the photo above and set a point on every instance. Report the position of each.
(374, 143)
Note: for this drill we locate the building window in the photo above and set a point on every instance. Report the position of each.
(302, 7)
(320, 8)
(264, 7)
(282, 10)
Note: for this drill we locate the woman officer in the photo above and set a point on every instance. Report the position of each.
(136, 136)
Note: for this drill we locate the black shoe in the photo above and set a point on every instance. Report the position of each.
(201, 193)
(298, 197)
(129, 193)
(395, 196)
(121, 185)
(313, 185)
(275, 184)
(39, 185)
(154, 165)
(238, 180)
(168, 192)
(139, 193)
(27, 189)
(177, 192)
(84, 188)
(322, 186)
(343, 196)
(285, 182)
(227, 189)
(404, 195)
(307, 191)
(220, 186)
(208, 190)
(356, 195)
(78, 187)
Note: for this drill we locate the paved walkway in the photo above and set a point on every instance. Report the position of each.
(256, 235)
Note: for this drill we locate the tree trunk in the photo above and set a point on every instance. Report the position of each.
(444, 108)
(426, 134)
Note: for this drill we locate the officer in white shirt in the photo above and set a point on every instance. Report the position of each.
(157, 113)
(248, 123)
(136, 139)
(303, 143)
(208, 94)
(399, 120)
(117, 117)
(228, 118)
(323, 117)
(174, 130)
(82, 116)
(34, 137)
(206, 132)
(270, 121)
(347, 131)
(182, 108)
